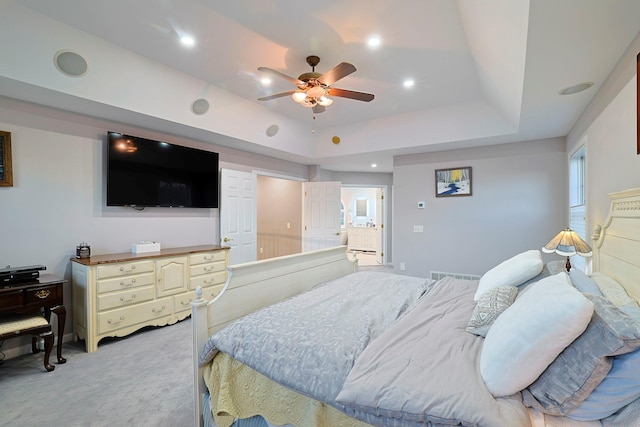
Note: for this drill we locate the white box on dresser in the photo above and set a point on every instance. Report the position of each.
(117, 294)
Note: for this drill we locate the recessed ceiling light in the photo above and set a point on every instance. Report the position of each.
(408, 83)
(373, 165)
(265, 81)
(187, 40)
(576, 88)
(374, 41)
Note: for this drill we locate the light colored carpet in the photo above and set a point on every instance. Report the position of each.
(142, 380)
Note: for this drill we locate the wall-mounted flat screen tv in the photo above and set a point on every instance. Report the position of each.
(144, 173)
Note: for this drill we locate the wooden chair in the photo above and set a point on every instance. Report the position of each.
(12, 326)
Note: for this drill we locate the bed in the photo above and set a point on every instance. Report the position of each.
(552, 352)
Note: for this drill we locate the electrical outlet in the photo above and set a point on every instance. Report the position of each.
(402, 266)
(261, 250)
(288, 225)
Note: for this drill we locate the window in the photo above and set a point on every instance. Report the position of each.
(577, 200)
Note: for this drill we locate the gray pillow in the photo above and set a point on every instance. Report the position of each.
(578, 370)
(490, 305)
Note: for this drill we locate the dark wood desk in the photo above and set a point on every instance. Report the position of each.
(44, 293)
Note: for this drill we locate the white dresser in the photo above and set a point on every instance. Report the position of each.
(117, 294)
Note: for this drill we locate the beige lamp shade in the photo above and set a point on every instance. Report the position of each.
(568, 243)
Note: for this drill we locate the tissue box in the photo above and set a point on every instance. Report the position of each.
(142, 247)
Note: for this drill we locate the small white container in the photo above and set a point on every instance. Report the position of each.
(142, 247)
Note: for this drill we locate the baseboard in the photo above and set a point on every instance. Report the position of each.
(20, 350)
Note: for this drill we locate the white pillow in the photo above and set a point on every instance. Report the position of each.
(612, 290)
(530, 334)
(512, 272)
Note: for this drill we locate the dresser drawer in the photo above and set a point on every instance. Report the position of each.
(205, 257)
(212, 267)
(121, 283)
(205, 280)
(182, 302)
(125, 298)
(124, 269)
(123, 317)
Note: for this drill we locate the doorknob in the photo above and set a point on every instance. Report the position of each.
(226, 239)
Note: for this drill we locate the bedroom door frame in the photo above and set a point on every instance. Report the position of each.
(382, 215)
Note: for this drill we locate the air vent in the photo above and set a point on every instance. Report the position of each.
(437, 275)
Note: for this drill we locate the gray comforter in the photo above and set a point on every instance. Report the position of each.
(310, 342)
(392, 349)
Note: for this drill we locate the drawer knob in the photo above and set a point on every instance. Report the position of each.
(155, 310)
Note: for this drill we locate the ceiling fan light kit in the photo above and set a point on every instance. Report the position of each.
(315, 88)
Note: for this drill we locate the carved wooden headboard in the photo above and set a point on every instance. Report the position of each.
(617, 242)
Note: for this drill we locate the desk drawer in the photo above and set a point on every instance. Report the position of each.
(43, 295)
(122, 283)
(125, 298)
(123, 317)
(207, 257)
(124, 269)
(11, 300)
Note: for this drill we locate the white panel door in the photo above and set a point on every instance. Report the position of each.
(238, 215)
(321, 213)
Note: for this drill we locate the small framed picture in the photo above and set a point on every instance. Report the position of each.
(453, 182)
(6, 174)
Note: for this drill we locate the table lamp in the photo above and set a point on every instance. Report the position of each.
(567, 243)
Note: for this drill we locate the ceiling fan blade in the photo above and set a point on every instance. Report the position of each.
(351, 94)
(341, 70)
(317, 109)
(276, 95)
(281, 75)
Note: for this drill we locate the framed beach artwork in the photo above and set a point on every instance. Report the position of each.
(6, 175)
(453, 182)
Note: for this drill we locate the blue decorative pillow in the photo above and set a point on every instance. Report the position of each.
(584, 364)
(620, 387)
(584, 283)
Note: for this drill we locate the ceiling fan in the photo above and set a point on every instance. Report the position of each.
(314, 89)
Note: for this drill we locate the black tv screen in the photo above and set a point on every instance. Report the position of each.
(143, 172)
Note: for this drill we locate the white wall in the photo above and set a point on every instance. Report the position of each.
(609, 127)
(519, 202)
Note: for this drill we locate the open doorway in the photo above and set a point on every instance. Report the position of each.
(280, 219)
(362, 222)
